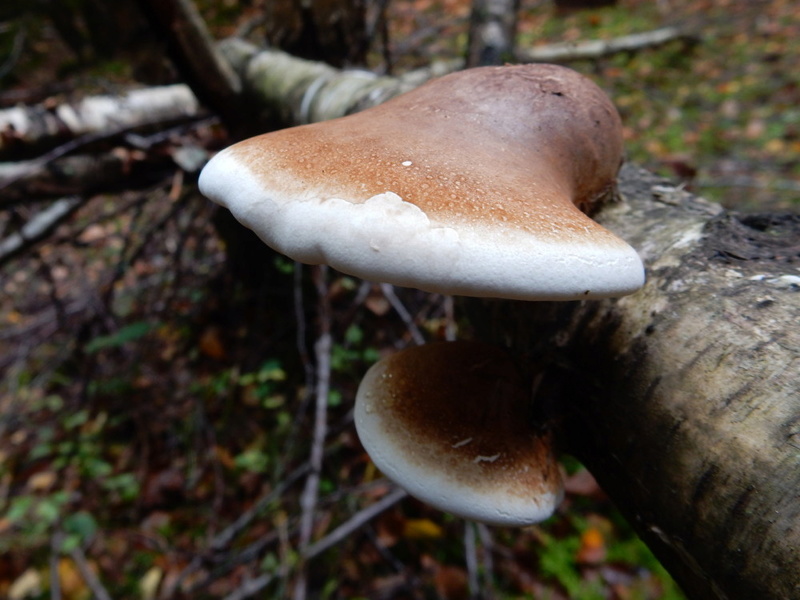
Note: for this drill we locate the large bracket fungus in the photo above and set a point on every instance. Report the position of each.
(477, 183)
(470, 185)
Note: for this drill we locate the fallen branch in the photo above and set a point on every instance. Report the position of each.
(322, 354)
(92, 581)
(354, 523)
(36, 126)
(388, 292)
(38, 227)
(79, 174)
(594, 49)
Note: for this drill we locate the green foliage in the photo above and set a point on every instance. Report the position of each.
(350, 356)
(120, 337)
(253, 459)
(557, 560)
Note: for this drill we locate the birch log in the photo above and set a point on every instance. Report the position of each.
(41, 125)
(562, 52)
(684, 399)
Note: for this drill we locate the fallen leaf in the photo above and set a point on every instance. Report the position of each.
(148, 584)
(420, 529)
(593, 547)
(41, 481)
(27, 585)
(211, 344)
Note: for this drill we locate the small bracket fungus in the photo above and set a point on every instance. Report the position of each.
(448, 422)
(471, 184)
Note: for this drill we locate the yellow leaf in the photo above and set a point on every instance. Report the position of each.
(72, 585)
(775, 146)
(418, 529)
(148, 585)
(41, 481)
(27, 585)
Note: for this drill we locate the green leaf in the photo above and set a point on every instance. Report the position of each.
(76, 419)
(129, 333)
(254, 460)
(19, 508)
(81, 524)
(354, 335)
(48, 509)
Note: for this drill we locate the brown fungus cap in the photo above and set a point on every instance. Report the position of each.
(470, 184)
(449, 423)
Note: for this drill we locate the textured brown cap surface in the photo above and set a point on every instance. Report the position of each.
(449, 423)
(469, 184)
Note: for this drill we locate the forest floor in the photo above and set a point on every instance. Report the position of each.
(155, 412)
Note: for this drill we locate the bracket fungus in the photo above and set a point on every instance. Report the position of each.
(472, 184)
(448, 423)
(478, 183)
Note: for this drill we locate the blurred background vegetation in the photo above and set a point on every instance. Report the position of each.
(155, 408)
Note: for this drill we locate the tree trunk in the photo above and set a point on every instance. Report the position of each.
(684, 398)
(492, 31)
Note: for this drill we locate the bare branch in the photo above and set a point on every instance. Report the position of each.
(355, 522)
(39, 227)
(322, 352)
(95, 115)
(594, 49)
(251, 587)
(88, 575)
(400, 309)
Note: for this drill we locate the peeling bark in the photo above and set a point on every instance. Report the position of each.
(286, 91)
(24, 127)
(684, 399)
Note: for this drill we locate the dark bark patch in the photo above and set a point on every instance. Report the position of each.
(736, 238)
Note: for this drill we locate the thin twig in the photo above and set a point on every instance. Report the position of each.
(91, 580)
(400, 309)
(301, 328)
(38, 227)
(322, 352)
(355, 522)
(16, 51)
(450, 326)
(55, 580)
(224, 538)
(250, 587)
(471, 560)
(487, 547)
